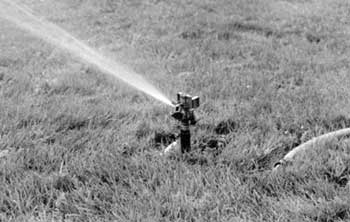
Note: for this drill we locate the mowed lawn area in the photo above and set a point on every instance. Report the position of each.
(79, 145)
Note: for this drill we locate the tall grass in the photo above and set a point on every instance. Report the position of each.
(271, 74)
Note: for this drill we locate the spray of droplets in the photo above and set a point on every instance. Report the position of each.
(25, 19)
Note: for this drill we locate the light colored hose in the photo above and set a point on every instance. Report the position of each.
(173, 148)
(310, 144)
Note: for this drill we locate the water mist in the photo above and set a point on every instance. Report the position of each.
(23, 18)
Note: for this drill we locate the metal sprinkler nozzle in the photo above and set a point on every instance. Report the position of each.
(184, 112)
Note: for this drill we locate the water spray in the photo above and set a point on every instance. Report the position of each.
(53, 34)
(184, 113)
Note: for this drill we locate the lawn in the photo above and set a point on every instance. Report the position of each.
(79, 145)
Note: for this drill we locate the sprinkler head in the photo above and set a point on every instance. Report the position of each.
(184, 108)
(184, 113)
(187, 101)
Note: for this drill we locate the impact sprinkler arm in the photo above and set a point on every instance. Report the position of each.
(184, 113)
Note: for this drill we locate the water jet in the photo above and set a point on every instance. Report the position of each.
(55, 35)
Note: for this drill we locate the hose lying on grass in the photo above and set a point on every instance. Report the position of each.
(310, 144)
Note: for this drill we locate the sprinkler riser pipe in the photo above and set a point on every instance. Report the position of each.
(185, 140)
(185, 133)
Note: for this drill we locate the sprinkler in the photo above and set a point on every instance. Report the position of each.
(184, 113)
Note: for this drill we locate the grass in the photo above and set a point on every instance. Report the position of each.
(271, 75)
